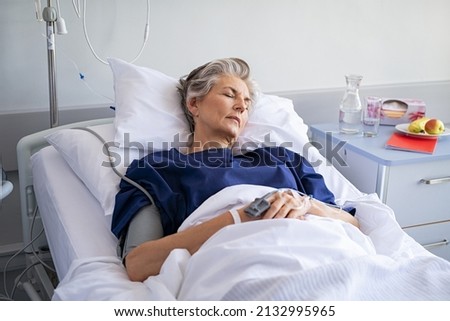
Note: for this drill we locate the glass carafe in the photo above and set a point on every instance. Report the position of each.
(350, 107)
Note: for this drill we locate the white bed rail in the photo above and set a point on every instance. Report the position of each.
(26, 147)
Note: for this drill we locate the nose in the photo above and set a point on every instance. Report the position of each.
(240, 104)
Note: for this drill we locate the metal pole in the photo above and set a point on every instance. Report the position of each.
(49, 15)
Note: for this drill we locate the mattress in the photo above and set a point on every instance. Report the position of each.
(75, 224)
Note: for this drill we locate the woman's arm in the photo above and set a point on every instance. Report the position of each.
(146, 259)
(321, 209)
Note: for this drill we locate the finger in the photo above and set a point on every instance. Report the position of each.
(275, 208)
(306, 204)
(287, 204)
(302, 209)
(283, 211)
(299, 197)
(297, 211)
(291, 208)
(274, 196)
(275, 204)
(282, 205)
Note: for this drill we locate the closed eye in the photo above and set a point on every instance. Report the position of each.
(231, 93)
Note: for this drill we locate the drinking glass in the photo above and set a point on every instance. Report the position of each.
(371, 116)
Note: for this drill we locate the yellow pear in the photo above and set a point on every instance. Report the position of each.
(418, 125)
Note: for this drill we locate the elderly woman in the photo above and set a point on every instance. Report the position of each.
(217, 98)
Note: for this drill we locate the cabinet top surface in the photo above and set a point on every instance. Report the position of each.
(374, 147)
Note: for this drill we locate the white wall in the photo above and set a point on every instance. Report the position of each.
(291, 44)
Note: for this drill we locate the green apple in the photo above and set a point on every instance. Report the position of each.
(434, 126)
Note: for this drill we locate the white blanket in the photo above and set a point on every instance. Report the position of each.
(285, 259)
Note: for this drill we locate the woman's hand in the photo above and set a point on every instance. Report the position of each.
(283, 204)
(288, 204)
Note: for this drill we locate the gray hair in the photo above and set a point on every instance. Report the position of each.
(200, 81)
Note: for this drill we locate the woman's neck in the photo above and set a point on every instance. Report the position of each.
(199, 145)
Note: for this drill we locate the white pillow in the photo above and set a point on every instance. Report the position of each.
(85, 155)
(274, 122)
(148, 108)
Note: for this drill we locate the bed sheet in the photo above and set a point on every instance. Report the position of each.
(316, 259)
(74, 222)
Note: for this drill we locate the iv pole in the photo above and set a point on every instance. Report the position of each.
(50, 15)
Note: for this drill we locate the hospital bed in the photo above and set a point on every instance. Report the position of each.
(69, 174)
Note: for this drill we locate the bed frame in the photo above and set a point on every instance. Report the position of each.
(40, 281)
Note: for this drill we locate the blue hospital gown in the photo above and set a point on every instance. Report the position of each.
(180, 183)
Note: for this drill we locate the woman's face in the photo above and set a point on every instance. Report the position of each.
(222, 114)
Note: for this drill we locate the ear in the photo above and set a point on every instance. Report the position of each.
(192, 106)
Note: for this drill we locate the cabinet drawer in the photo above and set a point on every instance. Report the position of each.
(434, 237)
(413, 200)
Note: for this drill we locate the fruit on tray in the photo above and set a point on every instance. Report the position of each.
(434, 126)
(418, 125)
(431, 126)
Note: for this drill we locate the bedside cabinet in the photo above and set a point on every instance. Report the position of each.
(415, 185)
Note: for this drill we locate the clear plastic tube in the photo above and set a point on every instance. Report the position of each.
(38, 9)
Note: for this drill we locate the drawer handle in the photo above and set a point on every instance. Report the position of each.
(443, 242)
(435, 180)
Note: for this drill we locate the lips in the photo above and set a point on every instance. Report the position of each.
(236, 119)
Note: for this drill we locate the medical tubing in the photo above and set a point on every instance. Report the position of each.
(19, 277)
(110, 159)
(311, 197)
(86, 34)
(17, 253)
(81, 74)
(33, 250)
(76, 6)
